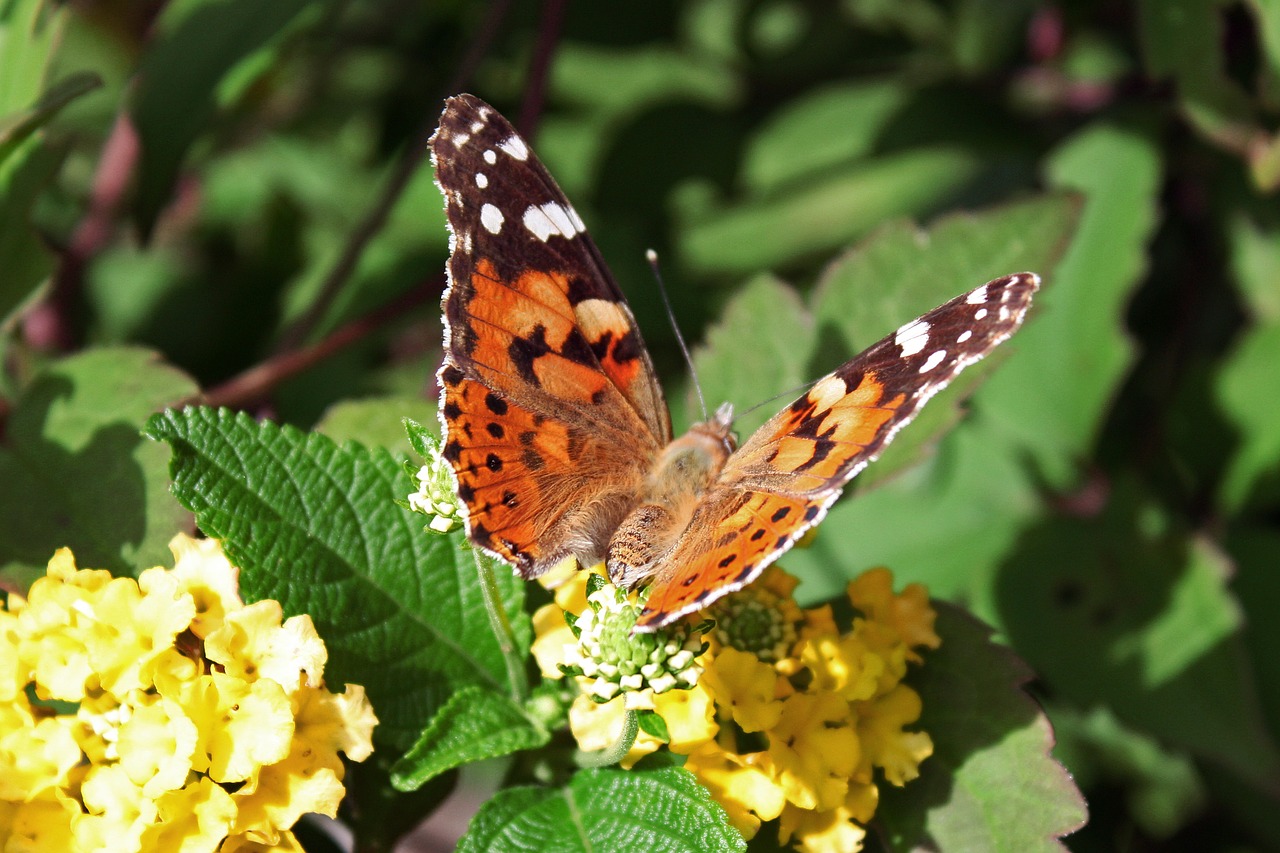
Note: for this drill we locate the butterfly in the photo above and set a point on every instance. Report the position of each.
(555, 425)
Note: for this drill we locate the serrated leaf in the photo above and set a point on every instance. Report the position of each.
(991, 783)
(77, 472)
(313, 525)
(475, 724)
(761, 345)
(663, 811)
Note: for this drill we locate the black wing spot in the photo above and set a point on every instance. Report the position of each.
(451, 376)
(493, 462)
(812, 512)
(727, 560)
(780, 514)
(495, 404)
(781, 543)
(510, 499)
(600, 346)
(691, 580)
(627, 348)
(580, 290)
(822, 448)
(527, 437)
(758, 535)
(495, 429)
(466, 493)
(452, 411)
(523, 352)
(452, 452)
(533, 460)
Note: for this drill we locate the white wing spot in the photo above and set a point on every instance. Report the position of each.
(515, 146)
(552, 218)
(460, 139)
(933, 361)
(977, 296)
(1005, 314)
(490, 157)
(491, 218)
(964, 336)
(980, 313)
(482, 180)
(912, 337)
(477, 126)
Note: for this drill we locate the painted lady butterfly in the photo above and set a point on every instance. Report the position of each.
(555, 424)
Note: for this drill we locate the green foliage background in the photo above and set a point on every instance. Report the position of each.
(226, 201)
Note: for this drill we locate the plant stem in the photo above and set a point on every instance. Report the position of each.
(614, 754)
(501, 627)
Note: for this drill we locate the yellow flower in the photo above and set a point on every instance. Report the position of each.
(174, 743)
(815, 749)
(885, 744)
(746, 687)
(748, 792)
(908, 614)
(842, 664)
(690, 716)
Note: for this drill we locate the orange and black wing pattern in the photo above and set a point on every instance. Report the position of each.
(784, 478)
(551, 409)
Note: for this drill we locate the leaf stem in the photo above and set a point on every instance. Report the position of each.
(501, 627)
(613, 754)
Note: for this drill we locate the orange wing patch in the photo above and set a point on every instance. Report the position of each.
(732, 538)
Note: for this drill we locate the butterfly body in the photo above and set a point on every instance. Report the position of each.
(555, 424)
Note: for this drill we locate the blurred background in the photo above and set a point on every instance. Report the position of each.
(235, 193)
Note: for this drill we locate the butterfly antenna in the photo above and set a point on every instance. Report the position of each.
(652, 257)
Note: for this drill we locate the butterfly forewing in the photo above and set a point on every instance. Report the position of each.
(550, 405)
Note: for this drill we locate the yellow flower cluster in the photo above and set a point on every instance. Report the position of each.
(165, 714)
(799, 725)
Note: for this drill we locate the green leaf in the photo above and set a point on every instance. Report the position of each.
(991, 783)
(23, 256)
(473, 725)
(823, 214)
(761, 345)
(199, 43)
(1163, 790)
(1075, 342)
(378, 421)
(16, 127)
(314, 526)
(1154, 630)
(658, 810)
(78, 474)
(819, 130)
(1251, 475)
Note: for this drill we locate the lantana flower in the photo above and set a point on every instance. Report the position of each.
(164, 713)
(791, 717)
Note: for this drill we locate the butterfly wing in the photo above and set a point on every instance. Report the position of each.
(550, 405)
(783, 479)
